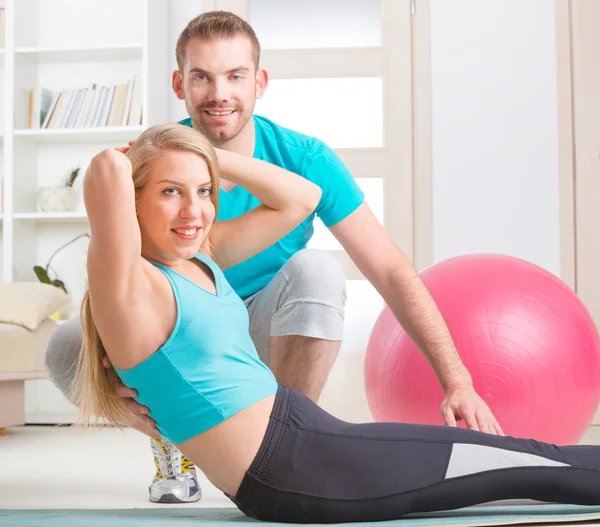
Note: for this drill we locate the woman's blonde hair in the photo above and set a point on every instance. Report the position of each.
(93, 388)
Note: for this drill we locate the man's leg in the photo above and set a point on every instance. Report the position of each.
(61, 359)
(176, 479)
(303, 363)
(297, 320)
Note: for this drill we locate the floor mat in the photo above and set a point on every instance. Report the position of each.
(545, 514)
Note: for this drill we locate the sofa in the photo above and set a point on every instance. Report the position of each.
(25, 328)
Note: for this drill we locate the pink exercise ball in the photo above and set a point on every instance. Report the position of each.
(530, 345)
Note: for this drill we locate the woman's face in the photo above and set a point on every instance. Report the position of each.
(174, 208)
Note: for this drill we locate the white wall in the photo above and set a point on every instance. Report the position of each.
(180, 13)
(495, 166)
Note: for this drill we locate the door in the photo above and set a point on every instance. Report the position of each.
(578, 41)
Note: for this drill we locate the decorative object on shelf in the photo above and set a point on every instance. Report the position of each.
(60, 199)
(44, 277)
(73, 176)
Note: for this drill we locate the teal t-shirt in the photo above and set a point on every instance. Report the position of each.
(309, 158)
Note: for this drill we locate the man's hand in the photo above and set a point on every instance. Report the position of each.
(466, 404)
(127, 394)
(124, 149)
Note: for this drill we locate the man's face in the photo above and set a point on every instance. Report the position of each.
(220, 85)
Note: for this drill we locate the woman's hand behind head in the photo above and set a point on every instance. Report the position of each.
(111, 160)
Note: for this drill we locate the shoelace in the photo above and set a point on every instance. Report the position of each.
(163, 450)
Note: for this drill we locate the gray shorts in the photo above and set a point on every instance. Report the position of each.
(306, 297)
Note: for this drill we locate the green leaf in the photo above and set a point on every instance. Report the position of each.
(42, 275)
(60, 284)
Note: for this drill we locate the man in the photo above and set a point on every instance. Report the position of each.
(295, 297)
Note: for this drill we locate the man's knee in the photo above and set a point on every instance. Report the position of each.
(313, 300)
(315, 275)
(62, 354)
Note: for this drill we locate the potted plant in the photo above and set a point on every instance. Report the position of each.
(43, 275)
(60, 199)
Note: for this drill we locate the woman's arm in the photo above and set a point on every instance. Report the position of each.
(114, 253)
(287, 200)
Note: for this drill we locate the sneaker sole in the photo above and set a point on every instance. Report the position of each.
(171, 498)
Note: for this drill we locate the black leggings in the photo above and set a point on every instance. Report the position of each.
(314, 468)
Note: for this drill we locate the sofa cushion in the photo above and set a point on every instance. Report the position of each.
(28, 303)
(22, 350)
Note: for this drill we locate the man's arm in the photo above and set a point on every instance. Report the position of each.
(398, 282)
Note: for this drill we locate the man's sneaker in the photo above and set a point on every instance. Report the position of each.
(176, 480)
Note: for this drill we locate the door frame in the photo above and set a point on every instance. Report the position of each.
(422, 167)
(422, 173)
(566, 150)
(578, 154)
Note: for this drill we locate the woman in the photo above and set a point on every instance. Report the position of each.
(174, 330)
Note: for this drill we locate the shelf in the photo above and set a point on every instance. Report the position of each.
(120, 134)
(95, 54)
(52, 217)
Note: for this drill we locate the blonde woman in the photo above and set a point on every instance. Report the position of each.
(174, 330)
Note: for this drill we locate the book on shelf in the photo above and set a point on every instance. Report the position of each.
(90, 106)
(40, 102)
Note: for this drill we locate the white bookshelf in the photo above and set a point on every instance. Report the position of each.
(61, 45)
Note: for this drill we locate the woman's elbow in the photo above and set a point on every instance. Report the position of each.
(305, 204)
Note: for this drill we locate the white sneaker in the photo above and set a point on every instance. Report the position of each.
(175, 480)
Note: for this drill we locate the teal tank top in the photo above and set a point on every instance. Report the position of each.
(208, 369)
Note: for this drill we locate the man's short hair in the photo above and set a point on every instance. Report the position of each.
(214, 25)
